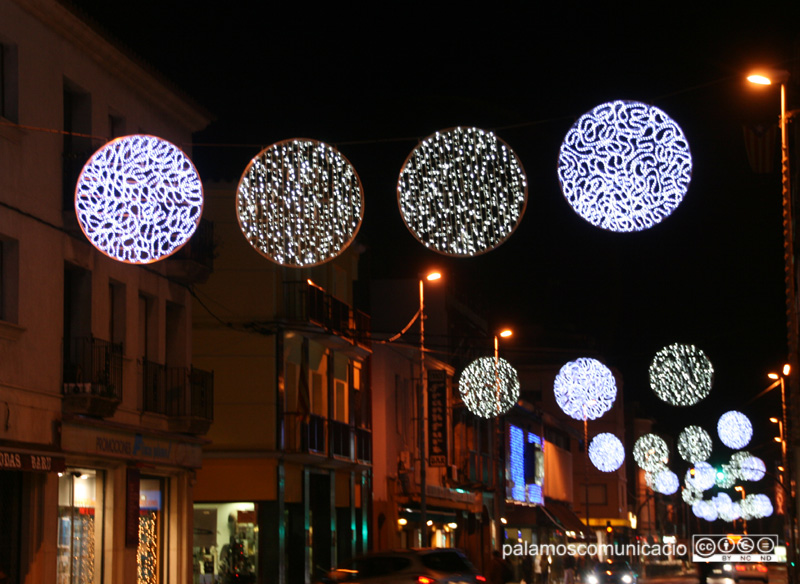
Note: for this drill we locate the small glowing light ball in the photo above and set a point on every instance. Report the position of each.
(489, 390)
(690, 495)
(727, 510)
(694, 444)
(138, 199)
(681, 375)
(299, 203)
(462, 192)
(756, 506)
(625, 166)
(734, 429)
(606, 452)
(585, 388)
(666, 482)
(748, 467)
(703, 478)
(705, 510)
(650, 452)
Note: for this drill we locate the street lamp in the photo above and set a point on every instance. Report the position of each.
(499, 491)
(423, 501)
(591, 402)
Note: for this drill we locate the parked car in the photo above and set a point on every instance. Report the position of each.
(737, 571)
(612, 571)
(414, 566)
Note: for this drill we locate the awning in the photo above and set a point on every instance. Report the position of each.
(564, 517)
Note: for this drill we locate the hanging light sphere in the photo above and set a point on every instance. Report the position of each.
(650, 452)
(585, 388)
(625, 166)
(704, 475)
(681, 375)
(747, 467)
(299, 203)
(734, 429)
(489, 390)
(606, 452)
(462, 192)
(705, 510)
(727, 510)
(690, 495)
(138, 199)
(666, 482)
(762, 505)
(694, 444)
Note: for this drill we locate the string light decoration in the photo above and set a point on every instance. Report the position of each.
(694, 444)
(487, 390)
(462, 192)
(666, 482)
(147, 556)
(650, 452)
(606, 452)
(734, 429)
(704, 476)
(624, 166)
(299, 203)
(138, 199)
(585, 388)
(681, 375)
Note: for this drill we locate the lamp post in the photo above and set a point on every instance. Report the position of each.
(505, 333)
(591, 402)
(499, 472)
(423, 501)
(744, 521)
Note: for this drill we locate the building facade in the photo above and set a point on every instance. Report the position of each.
(102, 410)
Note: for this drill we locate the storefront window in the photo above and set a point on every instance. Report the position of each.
(225, 543)
(151, 529)
(80, 526)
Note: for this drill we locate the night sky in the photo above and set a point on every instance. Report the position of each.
(373, 80)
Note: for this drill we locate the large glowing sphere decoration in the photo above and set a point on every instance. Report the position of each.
(681, 375)
(756, 506)
(462, 192)
(734, 429)
(666, 482)
(489, 389)
(727, 510)
(585, 389)
(138, 199)
(690, 495)
(299, 203)
(705, 510)
(702, 478)
(694, 444)
(650, 452)
(606, 452)
(747, 467)
(624, 166)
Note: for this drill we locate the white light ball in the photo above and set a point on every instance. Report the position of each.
(734, 429)
(585, 387)
(703, 478)
(694, 444)
(487, 388)
(606, 452)
(681, 375)
(666, 482)
(650, 452)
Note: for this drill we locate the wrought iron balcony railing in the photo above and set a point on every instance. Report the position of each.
(312, 434)
(92, 376)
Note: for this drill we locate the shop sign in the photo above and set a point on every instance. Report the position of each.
(34, 462)
(437, 418)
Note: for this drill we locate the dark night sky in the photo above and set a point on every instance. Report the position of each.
(374, 79)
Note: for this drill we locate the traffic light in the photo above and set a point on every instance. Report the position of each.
(720, 474)
(609, 529)
(692, 472)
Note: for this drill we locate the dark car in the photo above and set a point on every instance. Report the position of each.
(414, 566)
(612, 571)
(737, 571)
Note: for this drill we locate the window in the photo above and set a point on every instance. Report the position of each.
(8, 82)
(77, 146)
(80, 526)
(225, 545)
(9, 279)
(150, 552)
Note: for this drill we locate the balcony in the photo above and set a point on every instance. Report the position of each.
(184, 395)
(315, 438)
(92, 377)
(194, 262)
(307, 304)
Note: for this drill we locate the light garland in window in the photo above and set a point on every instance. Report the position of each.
(694, 444)
(625, 166)
(299, 203)
(681, 375)
(489, 389)
(734, 429)
(585, 387)
(650, 452)
(462, 191)
(147, 555)
(606, 452)
(138, 199)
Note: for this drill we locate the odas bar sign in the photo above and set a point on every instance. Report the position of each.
(35, 462)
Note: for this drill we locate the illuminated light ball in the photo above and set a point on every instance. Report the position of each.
(690, 495)
(650, 452)
(734, 429)
(681, 375)
(138, 199)
(650, 475)
(606, 452)
(762, 505)
(747, 467)
(486, 390)
(727, 478)
(694, 444)
(705, 510)
(585, 388)
(666, 482)
(299, 203)
(703, 478)
(462, 192)
(727, 510)
(624, 166)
